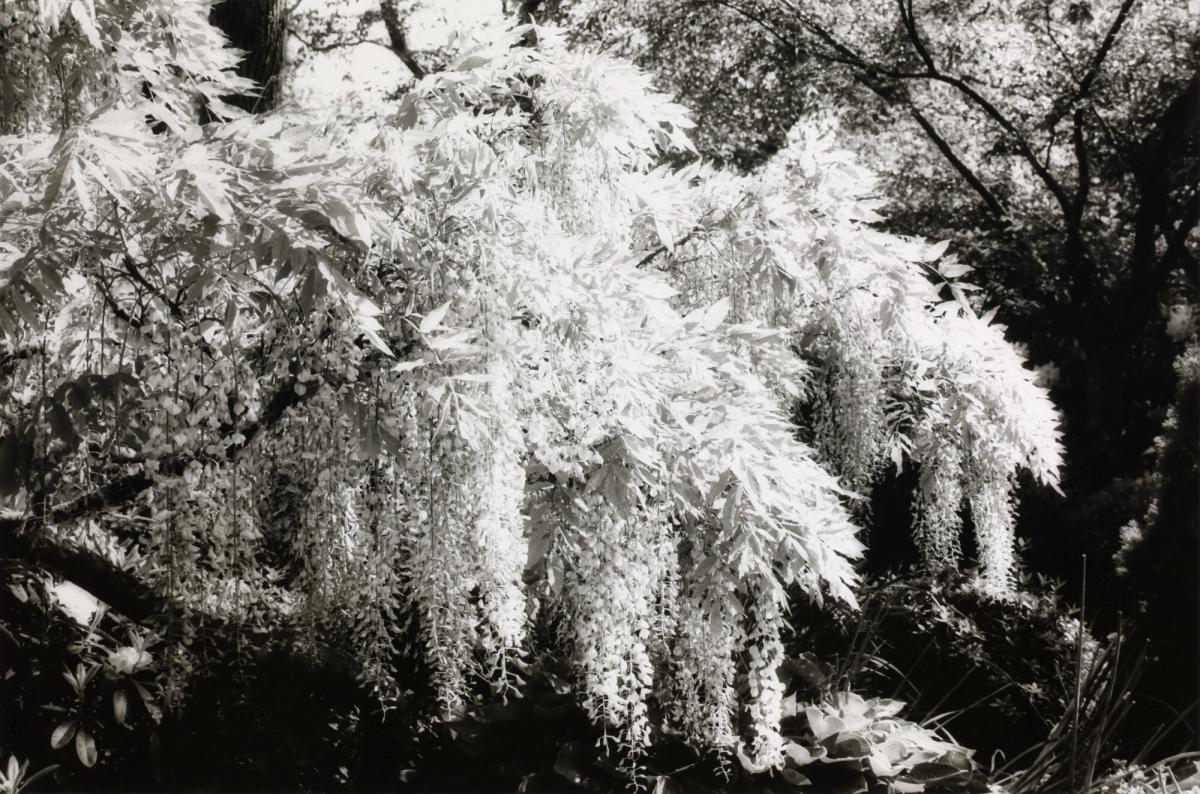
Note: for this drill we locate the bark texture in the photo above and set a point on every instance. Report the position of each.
(258, 27)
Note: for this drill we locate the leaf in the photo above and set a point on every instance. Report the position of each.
(408, 366)
(407, 114)
(847, 745)
(148, 701)
(936, 772)
(456, 343)
(656, 287)
(313, 288)
(554, 574)
(961, 298)
(38, 775)
(794, 778)
(803, 756)
(51, 278)
(954, 270)
(62, 734)
(61, 173)
(881, 765)
(120, 705)
(434, 318)
(715, 315)
(347, 221)
(471, 60)
(957, 759)
(664, 233)
(213, 196)
(933, 252)
(85, 748)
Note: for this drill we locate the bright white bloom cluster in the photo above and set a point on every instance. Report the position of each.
(609, 592)
(896, 373)
(491, 369)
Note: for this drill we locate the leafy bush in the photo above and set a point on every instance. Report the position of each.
(865, 742)
(997, 672)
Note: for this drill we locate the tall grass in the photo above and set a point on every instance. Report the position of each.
(1077, 756)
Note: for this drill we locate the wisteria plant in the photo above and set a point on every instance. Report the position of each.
(485, 369)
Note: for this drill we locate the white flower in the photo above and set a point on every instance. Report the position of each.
(127, 660)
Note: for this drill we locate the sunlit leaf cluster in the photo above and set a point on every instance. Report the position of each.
(489, 379)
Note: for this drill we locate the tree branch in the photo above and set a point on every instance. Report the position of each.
(662, 249)
(910, 26)
(1083, 169)
(758, 20)
(992, 112)
(879, 71)
(399, 37)
(337, 45)
(122, 490)
(133, 598)
(989, 199)
(120, 589)
(864, 69)
(1094, 66)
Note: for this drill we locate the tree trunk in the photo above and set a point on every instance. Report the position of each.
(259, 27)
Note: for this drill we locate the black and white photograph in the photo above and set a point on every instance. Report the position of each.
(656, 396)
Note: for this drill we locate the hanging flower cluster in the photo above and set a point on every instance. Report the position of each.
(896, 373)
(490, 370)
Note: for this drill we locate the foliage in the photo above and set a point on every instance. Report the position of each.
(542, 743)
(1179, 777)
(490, 373)
(239, 722)
(1156, 554)
(998, 674)
(866, 738)
(1055, 142)
(16, 778)
(78, 689)
(1175, 470)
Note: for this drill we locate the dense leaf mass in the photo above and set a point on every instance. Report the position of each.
(417, 392)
